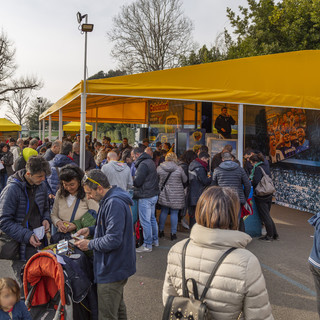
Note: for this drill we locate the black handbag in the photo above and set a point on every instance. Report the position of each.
(9, 248)
(191, 308)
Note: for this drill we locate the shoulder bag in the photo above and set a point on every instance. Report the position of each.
(191, 308)
(265, 186)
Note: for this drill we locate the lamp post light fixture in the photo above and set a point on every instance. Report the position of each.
(84, 28)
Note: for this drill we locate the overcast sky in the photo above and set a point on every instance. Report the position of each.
(49, 45)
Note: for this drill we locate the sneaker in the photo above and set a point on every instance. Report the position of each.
(173, 236)
(276, 238)
(265, 239)
(184, 224)
(155, 243)
(143, 249)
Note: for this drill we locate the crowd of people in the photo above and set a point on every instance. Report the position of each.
(43, 187)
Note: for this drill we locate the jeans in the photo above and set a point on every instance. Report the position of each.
(110, 301)
(316, 277)
(173, 218)
(147, 210)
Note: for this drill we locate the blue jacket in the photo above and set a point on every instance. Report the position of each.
(14, 205)
(59, 161)
(314, 258)
(113, 244)
(19, 312)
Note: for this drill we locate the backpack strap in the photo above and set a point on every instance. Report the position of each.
(185, 292)
(214, 272)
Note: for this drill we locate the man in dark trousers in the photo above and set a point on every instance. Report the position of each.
(224, 122)
(113, 244)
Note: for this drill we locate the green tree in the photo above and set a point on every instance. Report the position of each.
(111, 73)
(266, 27)
(32, 120)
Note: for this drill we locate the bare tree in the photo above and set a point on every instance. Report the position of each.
(8, 84)
(18, 106)
(151, 35)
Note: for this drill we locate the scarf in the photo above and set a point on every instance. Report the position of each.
(253, 170)
(203, 163)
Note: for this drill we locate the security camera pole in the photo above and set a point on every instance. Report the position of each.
(85, 28)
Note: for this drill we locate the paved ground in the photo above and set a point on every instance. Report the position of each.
(284, 265)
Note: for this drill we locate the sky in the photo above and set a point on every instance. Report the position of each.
(50, 46)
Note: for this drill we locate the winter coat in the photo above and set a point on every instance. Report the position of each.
(118, 174)
(238, 285)
(198, 181)
(89, 162)
(225, 123)
(7, 158)
(145, 183)
(49, 155)
(61, 211)
(314, 257)
(230, 174)
(172, 195)
(113, 243)
(14, 205)
(59, 161)
(19, 312)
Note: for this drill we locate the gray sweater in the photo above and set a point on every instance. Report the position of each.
(118, 174)
(230, 174)
(172, 195)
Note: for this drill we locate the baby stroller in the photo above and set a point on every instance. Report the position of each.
(56, 291)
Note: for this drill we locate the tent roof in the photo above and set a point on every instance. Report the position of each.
(75, 126)
(7, 125)
(284, 79)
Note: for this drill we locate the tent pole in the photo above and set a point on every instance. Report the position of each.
(43, 129)
(60, 124)
(39, 133)
(96, 127)
(240, 133)
(50, 128)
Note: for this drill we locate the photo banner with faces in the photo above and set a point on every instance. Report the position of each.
(286, 132)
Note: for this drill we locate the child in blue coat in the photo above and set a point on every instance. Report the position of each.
(11, 307)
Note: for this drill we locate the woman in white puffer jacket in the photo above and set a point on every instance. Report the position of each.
(238, 290)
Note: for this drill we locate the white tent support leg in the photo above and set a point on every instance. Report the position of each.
(43, 129)
(50, 128)
(240, 133)
(60, 124)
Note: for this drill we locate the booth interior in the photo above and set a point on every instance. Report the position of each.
(274, 105)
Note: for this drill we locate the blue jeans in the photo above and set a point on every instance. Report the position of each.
(3, 180)
(147, 210)
(173, 218)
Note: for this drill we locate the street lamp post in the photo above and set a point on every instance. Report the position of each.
(85, 28)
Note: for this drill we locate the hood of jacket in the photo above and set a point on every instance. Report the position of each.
(169, 166)
(228, 165)
(60, 160)
(194, 164)
(18, 179)
(142, 157)
(28, 152)
(219, 238)
(118, 166)
(118, 193)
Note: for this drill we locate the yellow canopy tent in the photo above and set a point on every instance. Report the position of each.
(75, 126)
(285, 79)
(7, 125)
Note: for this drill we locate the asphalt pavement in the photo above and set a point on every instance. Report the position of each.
(284, 264)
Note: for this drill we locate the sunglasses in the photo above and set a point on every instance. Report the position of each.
(86, 178)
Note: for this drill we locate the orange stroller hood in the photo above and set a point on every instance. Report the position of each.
(44, 271)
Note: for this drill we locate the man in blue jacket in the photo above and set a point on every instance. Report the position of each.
(113, 244)
(23, 208)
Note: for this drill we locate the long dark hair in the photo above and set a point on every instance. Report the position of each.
(68, 173)
(188, 156)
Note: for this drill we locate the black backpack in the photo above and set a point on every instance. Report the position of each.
(20, 163)
(185, 307)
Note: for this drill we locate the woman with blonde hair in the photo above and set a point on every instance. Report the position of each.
(238, 290)
(172, 197)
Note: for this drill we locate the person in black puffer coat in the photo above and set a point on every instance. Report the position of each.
(146, 190)
(230, 174)
(198, 181)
